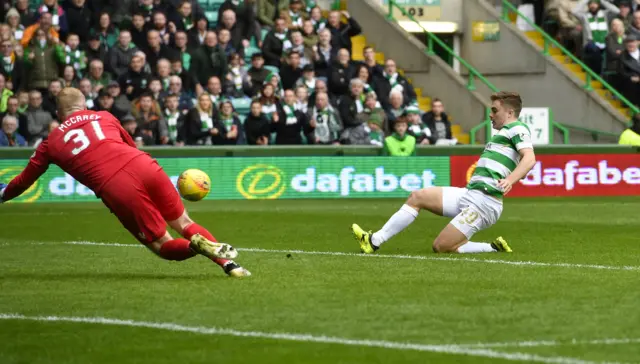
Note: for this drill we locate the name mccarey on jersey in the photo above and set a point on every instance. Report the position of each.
(76, 119)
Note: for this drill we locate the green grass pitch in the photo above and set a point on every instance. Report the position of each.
(568, 294)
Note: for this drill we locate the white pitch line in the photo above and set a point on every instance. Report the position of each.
(389, 256)
(573, 342)
(308, 338)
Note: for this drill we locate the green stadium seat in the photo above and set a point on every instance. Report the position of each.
(242, 105)
(248, 52)
(272, 69)
(264, 33)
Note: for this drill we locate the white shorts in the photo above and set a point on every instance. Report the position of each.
(472, 210)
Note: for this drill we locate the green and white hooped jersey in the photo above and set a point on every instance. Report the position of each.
(500, 157)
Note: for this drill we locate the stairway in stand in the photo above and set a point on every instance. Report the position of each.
(577, 70)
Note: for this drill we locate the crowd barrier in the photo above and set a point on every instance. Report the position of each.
(357, 172)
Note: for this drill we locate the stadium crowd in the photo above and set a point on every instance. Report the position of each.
(264, 72)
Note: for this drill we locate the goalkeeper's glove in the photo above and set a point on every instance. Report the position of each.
(3, 186)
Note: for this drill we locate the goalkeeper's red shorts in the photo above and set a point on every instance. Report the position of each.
(143, 198)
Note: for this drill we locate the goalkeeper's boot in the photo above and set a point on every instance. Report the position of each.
(212, 249)
(364, 239)
(501, 245)
(234, 270)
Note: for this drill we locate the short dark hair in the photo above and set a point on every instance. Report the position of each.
(146, 94)
(171, 95)
(509, 99)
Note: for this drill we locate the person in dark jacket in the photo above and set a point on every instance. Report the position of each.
(341, 33)
(290, 123)
(79, 18)
(9, 136)
(290, 72)
(157, 50)
(351, 104)
(139, 29)
(198, 33)
(94, 49)
(239, 41)
(12, 110)
(257, 72)
(257, 126)
(120, 55)
(245, 15)
(630, 69)
(199, 122)
(209, 60)
(391, 80)
(50, 100)
(324, 54)
(614, 49)
(184, 18)
(12, 66)
(274, 43)
(229, 125)
(438, 122)
(342, 71)
(375, 70)
(105, 103)
(41, 61)
(135, 80)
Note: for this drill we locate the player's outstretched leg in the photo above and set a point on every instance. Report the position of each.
(427, 198)
(192, 231)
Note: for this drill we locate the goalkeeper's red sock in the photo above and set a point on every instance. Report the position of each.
(193, 229)
(176, 249)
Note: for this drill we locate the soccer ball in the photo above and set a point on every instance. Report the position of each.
(194, 184)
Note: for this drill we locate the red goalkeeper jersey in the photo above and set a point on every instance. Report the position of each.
(90, 146)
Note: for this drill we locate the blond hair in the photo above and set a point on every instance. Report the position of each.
(509, 99)
(70, 100)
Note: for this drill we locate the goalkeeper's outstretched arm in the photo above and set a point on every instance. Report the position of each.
(38, 164)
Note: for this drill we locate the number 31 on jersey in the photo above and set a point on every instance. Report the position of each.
(81, 139)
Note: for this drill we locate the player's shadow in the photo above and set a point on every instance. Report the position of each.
(109, 276)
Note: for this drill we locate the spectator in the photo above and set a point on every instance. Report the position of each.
(294, 17)
(94, 49)
(150, 121)
(198, 33)
(138, 31)
(130, 125)
(367, 133)
(97, 76)
(373, 111)
(350, 105)
(71, 54)
(157, 50)
(569, 30)
(634, 28)
(184, 99)
(199, 122)
(630, 136)
(121, 55)
(79, 16)
(50, 101)
(291, 71)
(324, 54)
(625, 15)
(391, 80)
(40, 61)
(238, 84)
(175, 119)
(120, 101)
(105, 103)
(160, 25)
(183, 19)
(246, 18)
(268, 10)
(302, 99)
(209, 60)
(12, 110)
(69, 78)
(395, 108)
(135, 80)
(58, 15)
(319, 22)
(375, 70)
(214, 89)
(326, 120)
(257, 126)
(341, 33)
(274, 43)
(596, 18)
(38, 119)
(5, 93)
(229, 125)
(85, 87)
(145, 7)
(321, 86)
(416, 127)
(257, 73)
(614, 49)
(308, 79)
(296, 44)
(12, 65)
(362, 73)
(269, 101)
(23, 103)
(180, 42)
(224, 42)
(630, 69)
(290, 123)
(9, 136)
(190, 84)
(163, 71)
(309, 34)
(155, 89)
(238, 39)
(26, 15)
(399, 144)
(107, 33)
(438, 122)
(13, 20)
(342, 71)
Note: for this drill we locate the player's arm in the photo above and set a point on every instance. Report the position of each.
(522, 142)
(38, 164)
